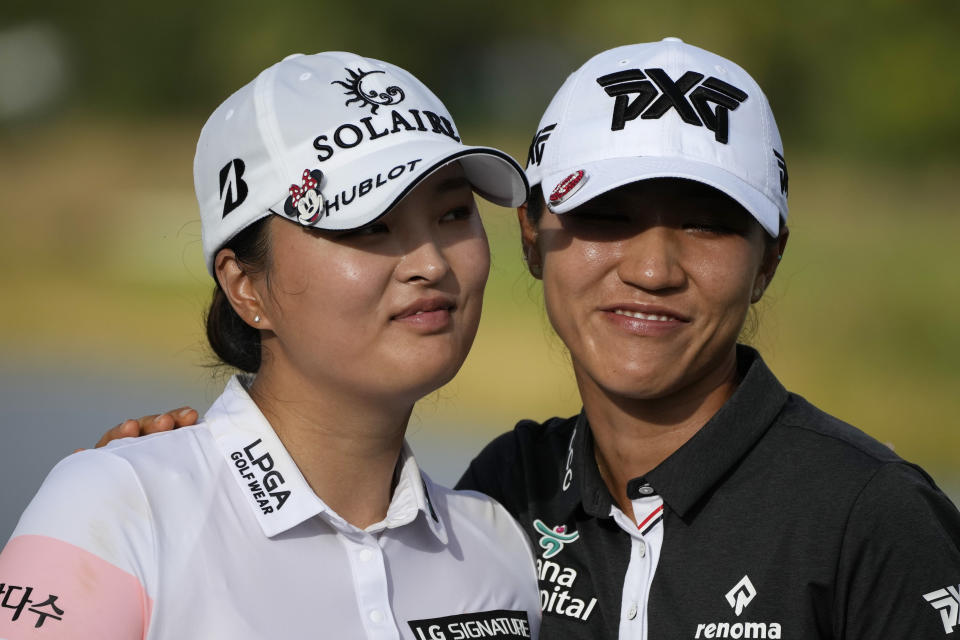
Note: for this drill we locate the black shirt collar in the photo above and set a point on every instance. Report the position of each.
(697, 466)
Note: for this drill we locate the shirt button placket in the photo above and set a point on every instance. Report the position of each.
(371, 588)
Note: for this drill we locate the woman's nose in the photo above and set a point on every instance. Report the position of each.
(423, 260)
(651, 259)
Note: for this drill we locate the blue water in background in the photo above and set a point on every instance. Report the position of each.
(49, 411)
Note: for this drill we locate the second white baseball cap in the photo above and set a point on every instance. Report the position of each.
(333, 140)
(660, 110)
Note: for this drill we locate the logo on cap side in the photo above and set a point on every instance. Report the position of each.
(568, 186)
(535, 154)
(369, 97)
(656, 98)
(233, 190)
(782, 165)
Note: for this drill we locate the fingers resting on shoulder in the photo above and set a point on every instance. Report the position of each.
(154, 423)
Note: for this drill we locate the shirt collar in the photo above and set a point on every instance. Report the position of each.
(411, 496)
(693, 469)
(272, 484)
(696, 467)
(580, 481)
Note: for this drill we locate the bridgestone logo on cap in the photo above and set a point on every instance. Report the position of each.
(233, 190)
(568, 186)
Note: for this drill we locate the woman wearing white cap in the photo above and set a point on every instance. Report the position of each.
(340, 226)
(694, 497)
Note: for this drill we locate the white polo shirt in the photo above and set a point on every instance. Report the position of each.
(212, 532)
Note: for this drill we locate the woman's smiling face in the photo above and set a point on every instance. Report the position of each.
(391, 308)
(649, 285)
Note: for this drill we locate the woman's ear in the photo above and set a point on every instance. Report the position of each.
(771, 260)
(240, 289)
(528, 238)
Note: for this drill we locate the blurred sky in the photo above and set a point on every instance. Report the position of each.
(101, 102)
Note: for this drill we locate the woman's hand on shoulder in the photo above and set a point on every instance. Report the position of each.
(133, 428)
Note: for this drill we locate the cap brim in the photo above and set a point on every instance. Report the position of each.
(602, 176)
(493, 174)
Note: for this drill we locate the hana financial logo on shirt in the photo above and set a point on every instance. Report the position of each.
(947, 602)
(552, 540)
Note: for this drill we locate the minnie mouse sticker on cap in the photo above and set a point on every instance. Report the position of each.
(305, 202)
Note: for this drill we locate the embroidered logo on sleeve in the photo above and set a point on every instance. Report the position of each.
(500, 623)
(947, 602)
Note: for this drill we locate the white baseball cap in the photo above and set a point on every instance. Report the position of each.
(333, 140)
(660, 110)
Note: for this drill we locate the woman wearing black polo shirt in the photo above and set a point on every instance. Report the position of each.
(694, 497)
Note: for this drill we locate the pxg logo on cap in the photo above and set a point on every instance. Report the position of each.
(651, 102)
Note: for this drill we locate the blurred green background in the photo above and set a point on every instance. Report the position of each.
(101, 103)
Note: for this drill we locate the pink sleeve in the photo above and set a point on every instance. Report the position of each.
(51, 589)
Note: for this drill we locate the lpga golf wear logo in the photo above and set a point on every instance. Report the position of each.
(947, 602)
(741, 595)
(654, 93)
(552, 540)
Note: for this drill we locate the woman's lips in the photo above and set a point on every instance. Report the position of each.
(430, 314)
(649, 321)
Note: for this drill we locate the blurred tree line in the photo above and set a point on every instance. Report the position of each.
(869, 79)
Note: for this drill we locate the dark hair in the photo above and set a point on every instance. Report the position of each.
(535, 204)
(234, 342)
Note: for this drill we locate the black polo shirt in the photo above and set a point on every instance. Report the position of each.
(779, 521)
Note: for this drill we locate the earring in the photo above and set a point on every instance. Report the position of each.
(256, 318)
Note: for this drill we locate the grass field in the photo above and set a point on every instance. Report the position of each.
(101, 236)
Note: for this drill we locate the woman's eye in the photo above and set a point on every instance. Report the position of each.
(715, 228)
(369, 230)
(609, 218)
(459, 213)
(599, 218)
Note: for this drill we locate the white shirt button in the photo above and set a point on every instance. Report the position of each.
(642, 548)
(376, 616)
(632, 611)
(365, 555)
